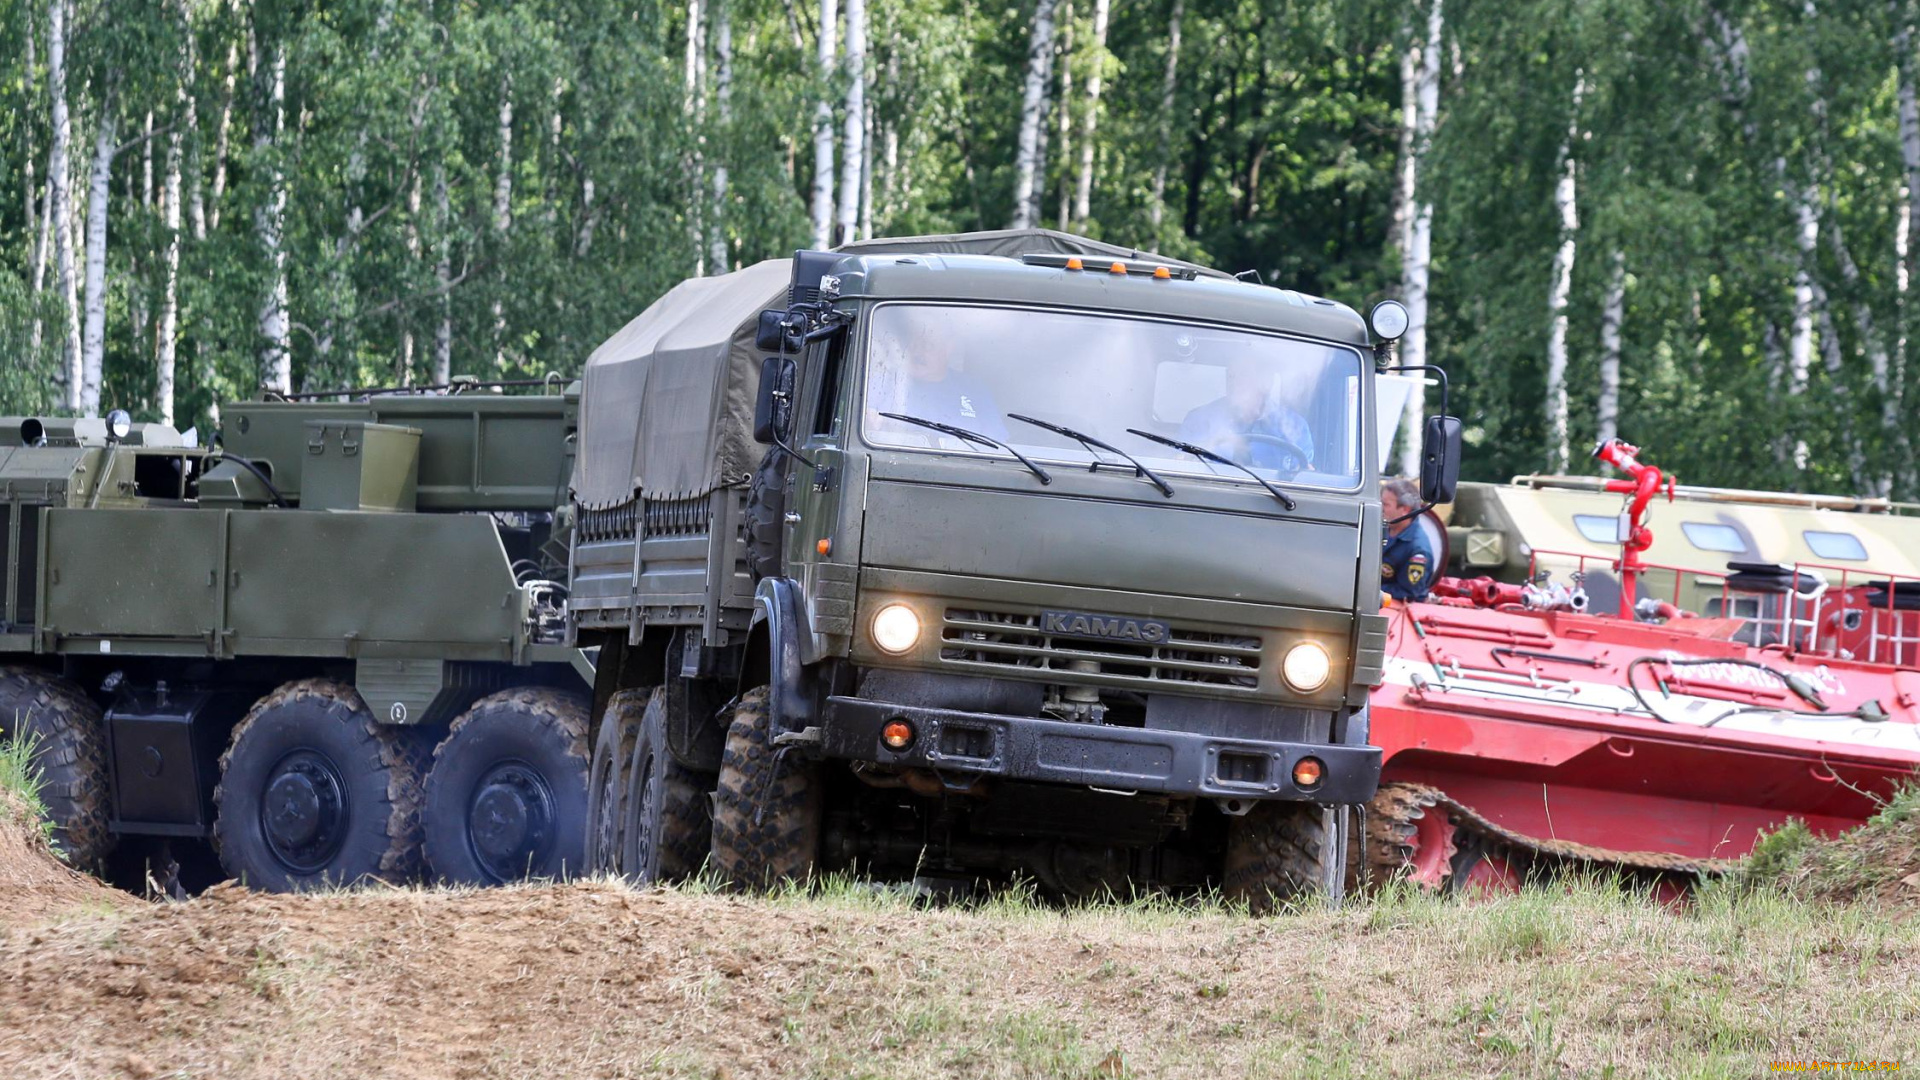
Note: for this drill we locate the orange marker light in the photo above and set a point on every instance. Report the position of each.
(1117, 268)
(1308, 772)
(1074, 264)
(1161, 273)
(824, 546)
(897, 734)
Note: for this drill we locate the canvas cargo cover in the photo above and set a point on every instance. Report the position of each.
(666, 404)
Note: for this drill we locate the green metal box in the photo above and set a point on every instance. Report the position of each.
(360, 465)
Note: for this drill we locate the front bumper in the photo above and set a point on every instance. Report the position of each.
(1095, 755)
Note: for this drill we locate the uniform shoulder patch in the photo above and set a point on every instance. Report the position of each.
(1416, 569)
(1386, 571)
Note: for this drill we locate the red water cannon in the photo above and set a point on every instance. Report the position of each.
(1644, 484)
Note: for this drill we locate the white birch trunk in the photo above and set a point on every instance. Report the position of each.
(60, 200)
(1089, 124)
(718, 255)
(853, 139)
(866, 170)
(405, 375)
(1612, 314)
(443, 276)
(1908, 220)
(1806, 239)
(694, 104)
(1063, 116)
(146, 163)
(1170, 83)
(823, 126)
(36, 221)
(220, 139)
(1400, 221)
(503, 214)
(94, 339)
(1026, 161)
(1417, 262)
(276, 358)
(1565, 201)
(167, 330)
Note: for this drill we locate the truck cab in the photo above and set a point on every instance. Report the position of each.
(1063, 566)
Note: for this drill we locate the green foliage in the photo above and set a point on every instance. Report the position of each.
(1283, 155)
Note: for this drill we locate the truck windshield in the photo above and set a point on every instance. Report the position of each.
(1287, 409)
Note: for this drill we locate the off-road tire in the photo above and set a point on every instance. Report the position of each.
(607, 782)
(1278, 852)
(379, 769)
(669, 827)
(766, 814)
(540, 732)
(69, 757)
(764, 523)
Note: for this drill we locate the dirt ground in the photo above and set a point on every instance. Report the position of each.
(599, 980)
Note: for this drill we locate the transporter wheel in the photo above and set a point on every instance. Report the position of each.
(607, 783)
(1280, 852)
(68, 757)
(669, 826)
(766, 811)
(314, 794)
(507, 795)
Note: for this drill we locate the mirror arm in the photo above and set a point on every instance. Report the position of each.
(1445, 390)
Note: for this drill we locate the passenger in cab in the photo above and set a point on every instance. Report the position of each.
(1406, 564)
(1251, 423)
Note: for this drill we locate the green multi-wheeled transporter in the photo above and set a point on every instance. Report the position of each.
(333, 645)
(980, 556)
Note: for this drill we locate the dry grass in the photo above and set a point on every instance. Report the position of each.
(595, 979)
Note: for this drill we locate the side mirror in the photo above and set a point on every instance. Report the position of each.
(773, 409)
(1440, 459)
(772, 334)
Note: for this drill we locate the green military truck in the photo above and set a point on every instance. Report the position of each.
(984, 556)
(333, 645)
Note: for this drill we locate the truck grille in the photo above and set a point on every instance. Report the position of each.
(1015, 640)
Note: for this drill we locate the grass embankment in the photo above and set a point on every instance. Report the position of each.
(596, 979)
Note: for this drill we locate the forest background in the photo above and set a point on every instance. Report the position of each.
(1688, 222)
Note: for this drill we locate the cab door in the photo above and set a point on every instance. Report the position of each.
(815, 495)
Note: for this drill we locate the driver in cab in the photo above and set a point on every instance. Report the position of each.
(1250, 423)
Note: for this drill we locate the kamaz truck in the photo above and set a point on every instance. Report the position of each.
(333, 645)
(1007, 555)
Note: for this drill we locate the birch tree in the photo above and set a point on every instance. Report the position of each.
(269, 220)
(1169, 86)
(1026, 161)
(1090, 120)
(853, 141)
(1613, 312)
(60, 200)
(1417, 258)
(717, 254)
(824, 59)
(1565, 203)
(99, 191)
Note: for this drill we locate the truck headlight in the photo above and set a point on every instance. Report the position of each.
(895, 628)
(1306, 667)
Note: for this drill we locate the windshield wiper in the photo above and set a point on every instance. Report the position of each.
(1205, 454)
(972, 437)
(1091, 443)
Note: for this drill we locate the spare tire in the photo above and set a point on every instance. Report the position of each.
(506, 798)
(68, 755)
(314, 794)
(765, 522)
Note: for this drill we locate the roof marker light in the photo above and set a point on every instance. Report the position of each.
(1074, 264)
(1117, 268)
(1161, 273)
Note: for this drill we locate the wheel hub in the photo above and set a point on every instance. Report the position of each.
(647, 809)
(510, 820)
(303, 812)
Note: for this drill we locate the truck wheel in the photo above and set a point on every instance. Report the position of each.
(1280, 851)
(766, 814)
(68, 755)
(507, 794)
(607, 783)
(669, 823)
(313, 793)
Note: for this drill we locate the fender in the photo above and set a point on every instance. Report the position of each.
(779, 615)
